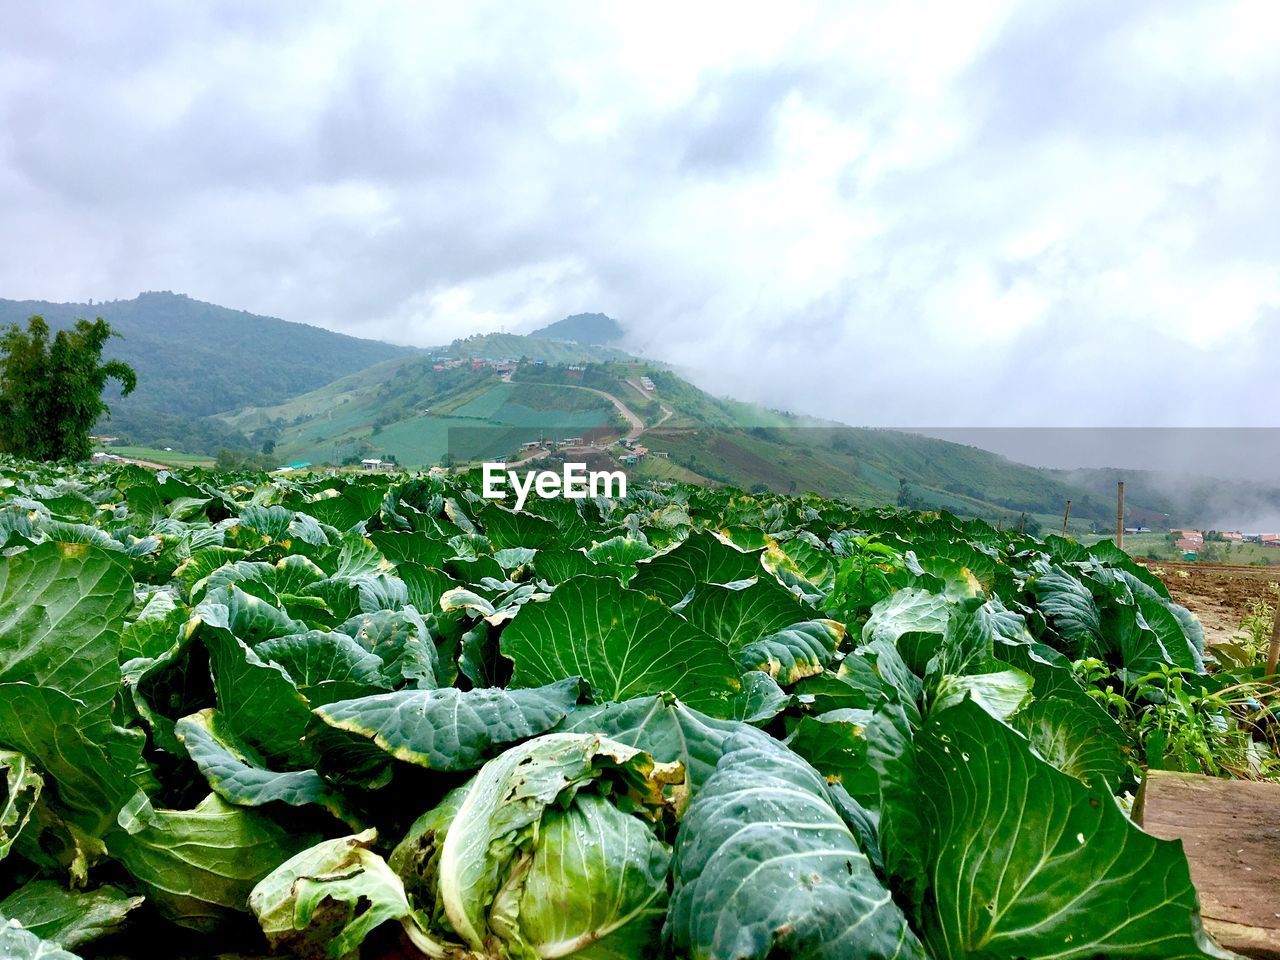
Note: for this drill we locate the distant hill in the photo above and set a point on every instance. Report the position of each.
(413, 412)
(416, 410)
(501, 346)
(1203, 501)
(195, 359)
(583, 328)
(211, 377)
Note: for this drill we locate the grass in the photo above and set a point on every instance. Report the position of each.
(170, 458)
(484, 405)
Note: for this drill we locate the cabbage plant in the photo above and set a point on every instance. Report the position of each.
(552, 850)
(556, 848)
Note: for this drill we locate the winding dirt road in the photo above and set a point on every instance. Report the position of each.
(637, 426)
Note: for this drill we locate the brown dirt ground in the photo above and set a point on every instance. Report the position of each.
(1218, 594)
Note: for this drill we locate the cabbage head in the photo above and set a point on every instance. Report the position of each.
(554, 849)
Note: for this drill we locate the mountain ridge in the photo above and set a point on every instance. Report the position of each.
(215, 377)
(590, 328)
(195, 359)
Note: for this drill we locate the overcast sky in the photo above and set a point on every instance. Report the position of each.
(951, 214)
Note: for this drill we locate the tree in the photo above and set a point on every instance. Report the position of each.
(51, 393)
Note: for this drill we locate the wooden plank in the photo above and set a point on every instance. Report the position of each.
(1230, 830)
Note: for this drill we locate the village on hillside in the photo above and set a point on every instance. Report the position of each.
(1192, 542)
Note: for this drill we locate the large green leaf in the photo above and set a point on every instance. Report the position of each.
(248, 617)
(699, 559)
(765, 867)
(237, 774)
(345, 508)
(558, 565)
(913, 621)
(801, 562)
(744, 613)
(795, 652)
(759, 700)
(61, 609)
(664, 728)
(620, 555)
(156, 628)
(288, 577)
(622, 642)
(452, 729)
(19, 944)
(1180, 634)
(596, 885)
(1069, 606)
(1026, 861)
(1002, 693)
(835, 742)
(199, 865)
(412, 547)
(964, 570)
(258, 700)
(401, 639)
(871, 754)
(1075, 740)
(91, 768)
(68, 918)
(327, 666)
(22, 785)
(518, 528)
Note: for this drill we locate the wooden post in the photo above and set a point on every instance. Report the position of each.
(1120, 513)
(1022, 522)
(1273, 648)
(1000, 524)
(1065, 514)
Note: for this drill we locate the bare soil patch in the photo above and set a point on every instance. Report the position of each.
(1219, 594)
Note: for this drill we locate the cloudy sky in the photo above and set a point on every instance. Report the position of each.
(940, 214)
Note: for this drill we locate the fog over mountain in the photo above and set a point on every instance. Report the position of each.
(953, 215)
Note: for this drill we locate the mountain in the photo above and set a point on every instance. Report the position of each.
(1209, 502)
(195, 359)
(422, 410)
(418, 410)
(593, 328)
(211, 377)
(511, 346)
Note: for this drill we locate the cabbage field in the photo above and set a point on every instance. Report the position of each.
(381, 716)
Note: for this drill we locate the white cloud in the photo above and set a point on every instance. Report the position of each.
(920, 213)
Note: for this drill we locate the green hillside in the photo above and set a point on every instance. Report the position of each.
(583, 328)
(1211, 501)
(512, 346)
(213, 378)
(195, 359)
(408, 411)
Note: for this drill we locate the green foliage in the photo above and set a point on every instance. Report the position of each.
(51, 393)
(1009, 840)
(690, 724)
(228, 461)
(763, 820)
(195, 360)
(1215, 724)
(595, 328)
